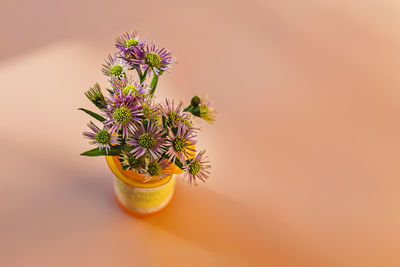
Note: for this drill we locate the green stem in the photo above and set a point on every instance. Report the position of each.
(179, 164)
(188, 108)
(139, 71)
(153, 83)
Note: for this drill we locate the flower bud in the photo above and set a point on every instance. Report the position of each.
(195, 101)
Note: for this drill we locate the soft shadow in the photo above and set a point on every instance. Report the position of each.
(71, 198)
(219, 224)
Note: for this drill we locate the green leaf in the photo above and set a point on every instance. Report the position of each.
(179, 164)
(93, 114)
(127, 148)
(114, 151)
(177, 161)
(164, 122)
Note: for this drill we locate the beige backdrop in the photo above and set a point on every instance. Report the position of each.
(305, 151)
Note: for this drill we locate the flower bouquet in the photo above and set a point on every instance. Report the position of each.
(145, 143)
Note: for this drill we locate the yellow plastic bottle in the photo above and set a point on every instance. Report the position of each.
(136, 196)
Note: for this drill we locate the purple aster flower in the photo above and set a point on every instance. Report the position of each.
(130, 45)
(173, 115)
(180, 143)
(197, 168)
(147, 140)
(158, 169)
(122, 112)
(150, 110)
(115, 67)
(129, 87)
(154, 58)
(132, 163)
(102, 138)
(188, 121)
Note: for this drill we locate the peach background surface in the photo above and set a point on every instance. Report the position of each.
(305, 150)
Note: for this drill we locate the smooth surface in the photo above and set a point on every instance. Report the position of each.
(305, 150)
